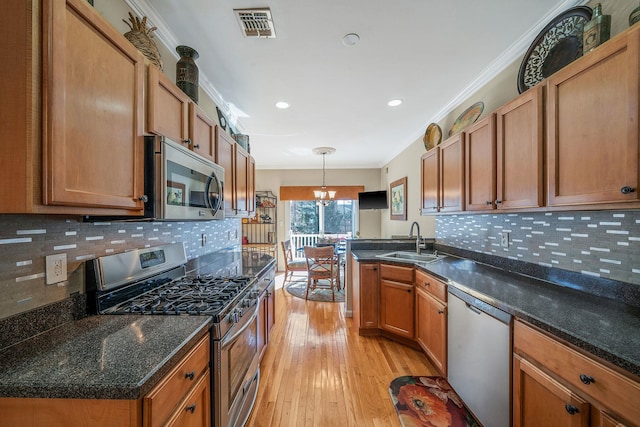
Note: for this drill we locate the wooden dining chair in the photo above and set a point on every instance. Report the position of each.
(291, 264)
(322, 264)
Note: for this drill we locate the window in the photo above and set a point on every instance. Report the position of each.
(335, 219)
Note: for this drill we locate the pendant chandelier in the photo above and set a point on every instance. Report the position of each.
(322, 196)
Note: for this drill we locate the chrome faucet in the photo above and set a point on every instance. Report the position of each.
(418, 238)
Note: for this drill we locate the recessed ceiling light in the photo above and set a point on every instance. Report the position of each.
(350, 39)
(394, 102)
(282, 105)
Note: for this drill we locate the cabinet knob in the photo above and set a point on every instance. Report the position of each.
(586, 379)
(191, 408)
(488, 203)
(196, 146)
(427, 284)
(440, 311)
(498, 201)
(571, 409)
(627, 190)
(188, 141)
(191, 375)
(409, 290)
(144, 198)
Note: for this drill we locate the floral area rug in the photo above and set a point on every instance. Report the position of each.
(429, 402)
(298, 288)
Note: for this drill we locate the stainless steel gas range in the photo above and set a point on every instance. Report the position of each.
(160, 281)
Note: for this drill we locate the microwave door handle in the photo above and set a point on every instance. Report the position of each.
(207, 199)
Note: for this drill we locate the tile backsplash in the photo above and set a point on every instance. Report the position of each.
(596, 243)
(25, 240)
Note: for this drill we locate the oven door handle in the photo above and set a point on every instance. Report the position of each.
(232, 338)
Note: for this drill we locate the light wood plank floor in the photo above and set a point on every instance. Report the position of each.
(317, 370)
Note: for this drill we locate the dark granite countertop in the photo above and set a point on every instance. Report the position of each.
(99, 357)
(604, 327)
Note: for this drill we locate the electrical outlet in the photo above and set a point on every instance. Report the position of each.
(504, 239)
(56, 268)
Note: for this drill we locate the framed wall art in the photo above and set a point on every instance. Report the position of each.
(398, 196)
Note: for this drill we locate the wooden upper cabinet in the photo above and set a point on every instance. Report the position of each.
(242, 181)
(592, 134)
(520, 151)
(251, 198)
(168, 108)
(430, 181)
(480, 162)
(452, 173)
(93, 110)
(202, 132)
(225, 157)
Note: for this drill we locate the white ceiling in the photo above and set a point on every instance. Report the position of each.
(431, 54)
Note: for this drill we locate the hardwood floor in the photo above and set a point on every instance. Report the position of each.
(317, 370)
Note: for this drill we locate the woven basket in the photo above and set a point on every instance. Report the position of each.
(142, 39)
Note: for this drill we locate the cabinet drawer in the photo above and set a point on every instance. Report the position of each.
(160, 402)
(397, 273)
(431, 285)
(605, 386)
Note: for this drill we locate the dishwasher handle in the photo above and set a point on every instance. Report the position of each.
(472, 308)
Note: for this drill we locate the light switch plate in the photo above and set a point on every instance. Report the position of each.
(56, 268)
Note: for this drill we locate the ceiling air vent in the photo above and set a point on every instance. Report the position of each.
(256, 22)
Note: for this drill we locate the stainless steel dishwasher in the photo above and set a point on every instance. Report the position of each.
(479, 357)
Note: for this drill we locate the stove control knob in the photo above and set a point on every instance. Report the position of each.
(233, 316)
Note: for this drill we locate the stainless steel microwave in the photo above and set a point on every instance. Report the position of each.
(180, 184)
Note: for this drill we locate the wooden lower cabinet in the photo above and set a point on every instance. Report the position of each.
(170, 403)
(539, 400)
(178, 390)
(431, 327)
(266, 317)
(366, 296)
(397, 300)
(195, 410)
(556, 385)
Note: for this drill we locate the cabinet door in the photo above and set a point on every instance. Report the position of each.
(480, 161)
(225, 157)
(251, 191)
(202, 132)
(242, 181)
(452, 174)
(262, 326)
(539, 400)
(93, 110)
(431, 328)
(519, 151)
(396, 308)
(369, 295)
(168, 108)
(592, 136)
(271, 310)
(195, 409)
(430, 179)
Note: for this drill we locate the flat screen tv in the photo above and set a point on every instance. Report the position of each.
(373, 200)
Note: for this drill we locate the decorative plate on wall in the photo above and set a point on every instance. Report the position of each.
(432, 136)
(557, 45)
(468, 116)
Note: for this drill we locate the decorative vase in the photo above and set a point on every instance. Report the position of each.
(596, 31)
(187, 71)
(634, 16)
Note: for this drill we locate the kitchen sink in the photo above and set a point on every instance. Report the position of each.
(412, 257)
